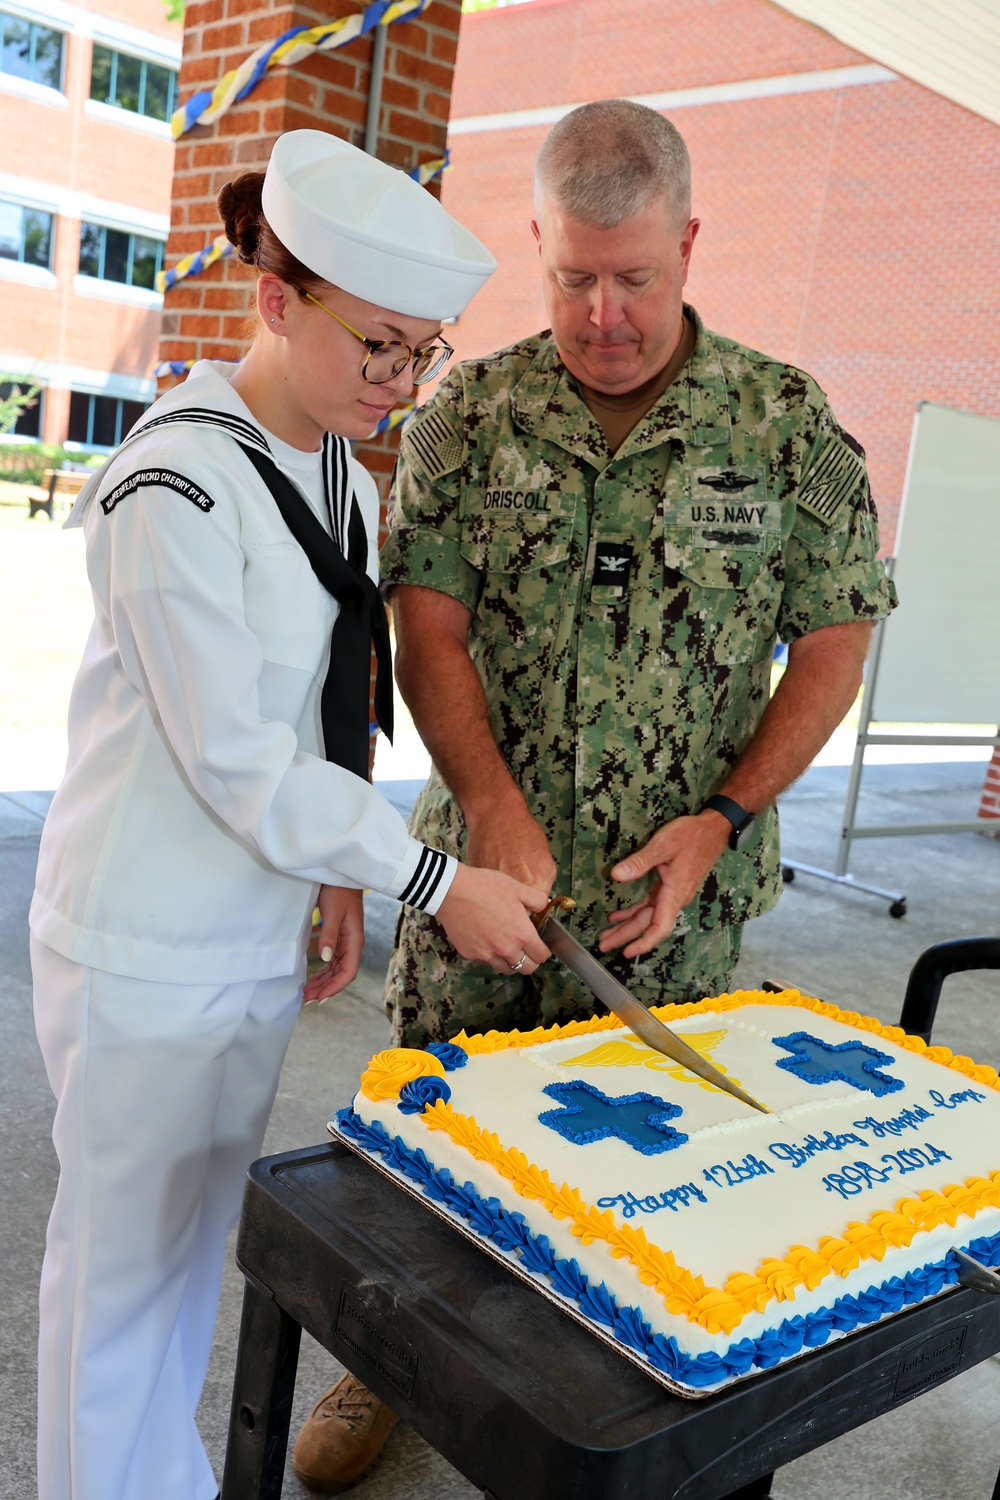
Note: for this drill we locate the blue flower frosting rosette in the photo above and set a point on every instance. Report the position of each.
(415, 1096)
(449, 1054)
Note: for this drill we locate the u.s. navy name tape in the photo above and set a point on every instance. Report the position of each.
(220, 248)
(209, 105)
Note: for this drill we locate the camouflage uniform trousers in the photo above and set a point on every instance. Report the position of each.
(432, 993)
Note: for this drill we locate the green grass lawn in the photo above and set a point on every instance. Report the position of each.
(46, 611)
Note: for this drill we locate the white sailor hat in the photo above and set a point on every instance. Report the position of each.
(369, 229)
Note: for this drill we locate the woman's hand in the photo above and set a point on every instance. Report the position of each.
(485, 915)
(341, 939)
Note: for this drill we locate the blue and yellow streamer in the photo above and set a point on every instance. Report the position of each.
(209, 105)
(190, 265)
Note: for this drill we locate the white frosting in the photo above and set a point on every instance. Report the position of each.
(741, 1223)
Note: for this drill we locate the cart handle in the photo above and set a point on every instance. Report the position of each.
(923, 989)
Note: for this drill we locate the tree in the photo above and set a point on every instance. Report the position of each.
(16, 401)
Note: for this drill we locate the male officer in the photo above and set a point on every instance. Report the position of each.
(597, 537)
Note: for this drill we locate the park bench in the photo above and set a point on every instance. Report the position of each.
(57, 482)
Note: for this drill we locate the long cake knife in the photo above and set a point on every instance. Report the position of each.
(635, 1015)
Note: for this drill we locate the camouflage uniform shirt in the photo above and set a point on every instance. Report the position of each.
(625, 608)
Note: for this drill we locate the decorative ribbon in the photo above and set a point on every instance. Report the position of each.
(396, 418)
(209, 105)
(191, 265)
(221, 249)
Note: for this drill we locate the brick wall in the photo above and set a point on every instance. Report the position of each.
(205, 317)
(852, 231)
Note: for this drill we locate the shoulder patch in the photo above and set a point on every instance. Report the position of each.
(836, 473)
(434, 444)
(147, 479)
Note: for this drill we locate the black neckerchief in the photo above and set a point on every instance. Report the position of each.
(339, 564)
(361, 623)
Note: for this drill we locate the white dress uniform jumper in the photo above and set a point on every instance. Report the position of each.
(178, 870)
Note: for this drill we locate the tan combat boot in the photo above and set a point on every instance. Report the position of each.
(342, 1438)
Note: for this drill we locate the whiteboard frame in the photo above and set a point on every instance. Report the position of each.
(850, 829)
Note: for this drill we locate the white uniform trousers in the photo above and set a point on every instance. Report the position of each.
(163, 1093)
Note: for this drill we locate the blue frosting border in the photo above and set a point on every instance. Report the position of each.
(510, 1232)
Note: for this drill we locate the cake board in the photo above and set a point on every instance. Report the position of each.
(507, 1259)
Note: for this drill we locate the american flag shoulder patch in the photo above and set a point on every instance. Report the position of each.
(836, 474)
(432, 445)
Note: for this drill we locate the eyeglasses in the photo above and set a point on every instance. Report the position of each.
(385, 360)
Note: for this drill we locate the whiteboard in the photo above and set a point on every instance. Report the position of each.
(939, 662)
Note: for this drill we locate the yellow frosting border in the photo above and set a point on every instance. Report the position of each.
(500, 1041)
(720, 1310)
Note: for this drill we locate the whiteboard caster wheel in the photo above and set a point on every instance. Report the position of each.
(787, 874)
(898, 909)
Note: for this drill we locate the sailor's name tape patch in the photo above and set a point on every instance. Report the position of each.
(502, 499)
(166, 478)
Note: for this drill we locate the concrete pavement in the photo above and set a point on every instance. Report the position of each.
(840, 945)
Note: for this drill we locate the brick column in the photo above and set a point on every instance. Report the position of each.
(989, 804)
(205, 316)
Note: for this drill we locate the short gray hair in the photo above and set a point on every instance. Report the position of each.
(607, 161)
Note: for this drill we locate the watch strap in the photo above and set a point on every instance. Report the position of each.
(738, 816)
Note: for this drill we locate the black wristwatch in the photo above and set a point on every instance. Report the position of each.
(743, 822)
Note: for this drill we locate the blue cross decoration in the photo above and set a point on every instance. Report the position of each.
(850, 1062)
(588, 1115)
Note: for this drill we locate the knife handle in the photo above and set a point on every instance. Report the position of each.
(558, 903)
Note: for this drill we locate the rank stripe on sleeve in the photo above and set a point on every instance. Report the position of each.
(434, 444)
(837, 474)
(426, 878)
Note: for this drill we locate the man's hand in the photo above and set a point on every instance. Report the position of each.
(819, 686)
(680, 854)
(485, 918)
(341, 939)
(506, 837)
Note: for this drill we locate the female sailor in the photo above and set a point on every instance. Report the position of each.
(216, 781)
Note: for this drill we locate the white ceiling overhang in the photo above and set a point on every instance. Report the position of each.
(949, 46)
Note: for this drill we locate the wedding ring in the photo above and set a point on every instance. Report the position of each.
(516, 968)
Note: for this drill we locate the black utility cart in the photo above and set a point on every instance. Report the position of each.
(517, 1396)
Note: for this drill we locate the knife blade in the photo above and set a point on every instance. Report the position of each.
(637, 1018)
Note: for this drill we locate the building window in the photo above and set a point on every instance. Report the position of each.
(29, 418)
(31, 51)
(101, 421)
(25, 234)
(115, 255)
(132, 83)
